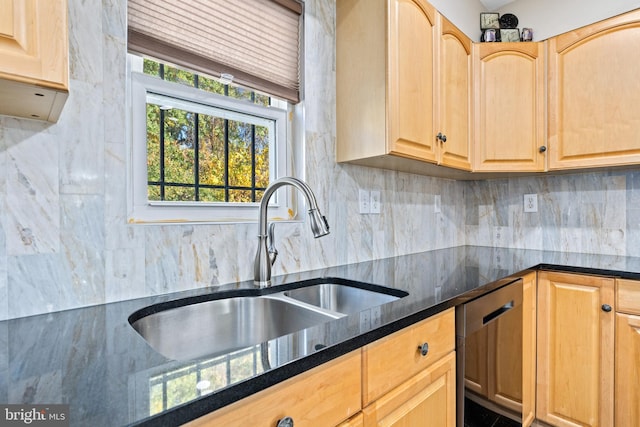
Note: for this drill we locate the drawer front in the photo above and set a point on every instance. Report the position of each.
(628, 296)
(326, 395)
(392, 360)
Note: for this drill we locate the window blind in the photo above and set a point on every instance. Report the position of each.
(256, 41)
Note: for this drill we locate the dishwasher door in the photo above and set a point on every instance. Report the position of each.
(489, 358)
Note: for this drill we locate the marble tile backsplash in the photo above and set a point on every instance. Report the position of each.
(594, 213)
(65, 242)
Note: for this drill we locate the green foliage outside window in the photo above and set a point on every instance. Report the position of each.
(205, 158)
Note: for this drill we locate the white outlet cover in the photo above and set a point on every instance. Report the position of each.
(437, 203)
(531, 203)
(374, 206)
(363, 201)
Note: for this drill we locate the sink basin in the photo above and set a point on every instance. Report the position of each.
(216, 327)
(221, 326)
(340, 298)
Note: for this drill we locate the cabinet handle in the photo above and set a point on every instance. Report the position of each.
(285, 422)
(543, 149)
(441, 137)
(606, 308)
(424, 349)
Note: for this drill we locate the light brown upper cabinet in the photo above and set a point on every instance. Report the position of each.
(34, 50)
(387, 68)
(509, 107)
(454, 112)
(594, 93)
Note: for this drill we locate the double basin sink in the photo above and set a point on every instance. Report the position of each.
(191, 330)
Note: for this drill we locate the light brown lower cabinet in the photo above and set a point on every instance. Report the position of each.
(355, 421)
(404, 387)
(324, 396)
(575, 350)
(426, 400)
(627, 397)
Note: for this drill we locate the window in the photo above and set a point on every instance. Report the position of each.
(203, 150)
(207, 136)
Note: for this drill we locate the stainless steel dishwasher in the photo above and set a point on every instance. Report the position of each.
(489, 359)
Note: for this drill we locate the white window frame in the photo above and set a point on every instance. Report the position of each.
(283, 205)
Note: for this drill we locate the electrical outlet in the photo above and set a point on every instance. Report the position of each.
(437, 202)
(375, 205)
(531, 203)
(363, 201)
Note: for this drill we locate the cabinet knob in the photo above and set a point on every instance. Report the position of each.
(441, 137)
(606, 308)
(285, 422)
(543, 149)
(424, 349)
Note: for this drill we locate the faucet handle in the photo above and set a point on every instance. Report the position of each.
(273, 252)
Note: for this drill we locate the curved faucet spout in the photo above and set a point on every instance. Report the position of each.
(318, 223)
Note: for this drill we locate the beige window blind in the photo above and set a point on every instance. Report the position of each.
(255, 41)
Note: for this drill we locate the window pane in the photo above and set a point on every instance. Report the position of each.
(179, 143)
(211, 150)
(240, 154)
(153, 192)
(184, 77)
(240, 196)
(262, 156)
(151, 67)
(156, 403)
(262, 100)
(211, 195)
(210, 85)
(180, 194)
(239, 93)
(153, 150)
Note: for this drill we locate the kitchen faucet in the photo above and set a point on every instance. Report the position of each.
(265, 257)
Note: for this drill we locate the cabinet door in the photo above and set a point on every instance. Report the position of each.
(454, 102)
(427, 400)
(33, 58)
(575, 350)
(412, 33)
(509, 107)
(594, 92)
(33, 42)
(357, 421)
(326, 395)
(627, 370)
(401, 350)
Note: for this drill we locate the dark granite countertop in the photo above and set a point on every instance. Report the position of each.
(93, 360)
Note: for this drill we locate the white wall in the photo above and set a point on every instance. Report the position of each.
(464, 14)
(549, 18)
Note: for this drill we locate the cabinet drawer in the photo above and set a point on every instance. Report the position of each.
(628, 296)
(326, 395)
(392, 360)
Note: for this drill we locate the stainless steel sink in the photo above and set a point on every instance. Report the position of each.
(221, 326)
(339, 298)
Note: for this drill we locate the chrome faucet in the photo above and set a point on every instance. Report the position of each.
(265, 257)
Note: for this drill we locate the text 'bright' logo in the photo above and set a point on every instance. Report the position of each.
(38, 415)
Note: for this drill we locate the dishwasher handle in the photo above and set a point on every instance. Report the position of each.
(486, 309)
(498, 312)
